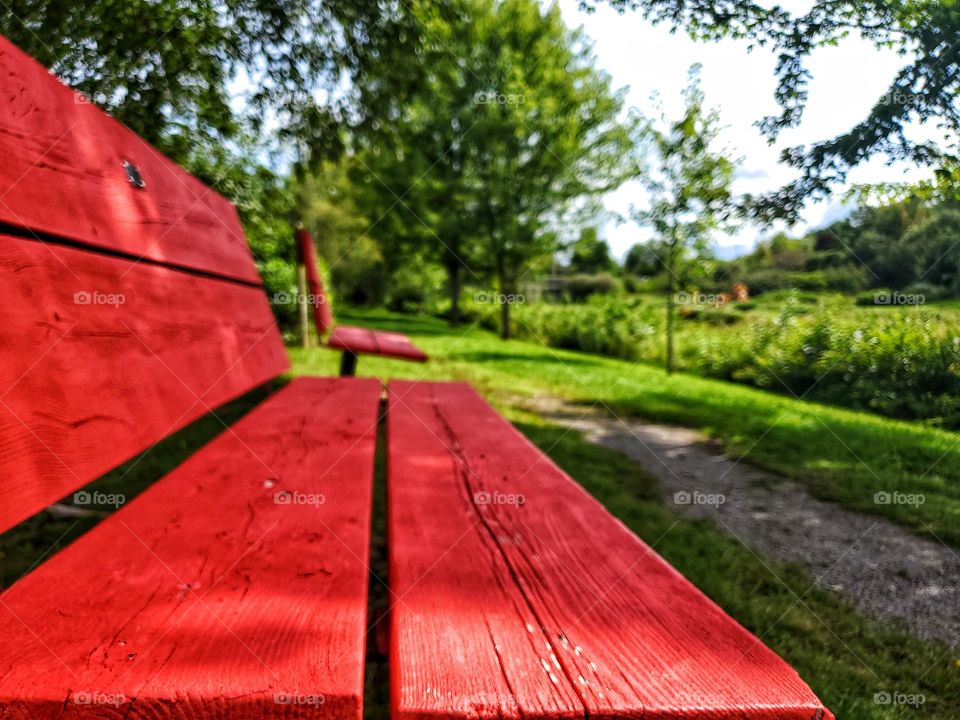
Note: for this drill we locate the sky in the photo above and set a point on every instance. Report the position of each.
(847, 80)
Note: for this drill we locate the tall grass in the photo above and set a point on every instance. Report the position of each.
(899, 362)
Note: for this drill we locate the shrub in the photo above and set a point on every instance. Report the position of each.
(870, 297)
(846, 278)
(903, 364)
(579, 287)
(767, 279)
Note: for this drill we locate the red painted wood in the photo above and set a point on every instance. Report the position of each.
(517, 595)
(102, 357)
(322, 312)
(62, 173)
(374, 342)
(360, 341)
(207, 597)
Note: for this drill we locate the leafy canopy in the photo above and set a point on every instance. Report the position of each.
(165, 67)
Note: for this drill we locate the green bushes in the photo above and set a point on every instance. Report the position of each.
(581, 286)
(845, 278)
(904, 363)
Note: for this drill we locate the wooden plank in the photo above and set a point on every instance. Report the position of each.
(209, 597)
(374, 342)
(102, 357)
(517, 595)
(322, 312)
(400, 346)
(62, 173)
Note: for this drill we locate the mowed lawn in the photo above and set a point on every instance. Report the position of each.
(845, 456)
(853, 663)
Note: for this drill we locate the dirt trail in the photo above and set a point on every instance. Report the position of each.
(886, 571)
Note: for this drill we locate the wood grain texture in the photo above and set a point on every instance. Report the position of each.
(101, 357)
(517, 595)
(206, 597)
(62, 173)
(360, 341)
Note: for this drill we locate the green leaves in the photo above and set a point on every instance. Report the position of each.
(924, 90)
(165, 67)
(689, 189)
(498, 128)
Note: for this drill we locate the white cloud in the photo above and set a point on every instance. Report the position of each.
(847, 80)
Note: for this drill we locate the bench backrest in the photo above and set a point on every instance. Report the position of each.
(131, 304)
(322, 312)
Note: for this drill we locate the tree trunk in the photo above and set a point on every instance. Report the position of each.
(302, 305)
(670, 301)
(504, 294)
(455, 283)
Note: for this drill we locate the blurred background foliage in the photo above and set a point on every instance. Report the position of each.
(449, 156)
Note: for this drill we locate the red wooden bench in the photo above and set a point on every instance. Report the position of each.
(352, 341)
(518, 596)
(236, 586)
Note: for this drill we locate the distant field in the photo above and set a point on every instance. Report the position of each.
(902, 361)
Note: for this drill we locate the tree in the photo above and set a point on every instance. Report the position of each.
(935, 243)
(689, 189)
(924, 89)
(500, 127)
(590, 254)
(644, 260)
(328, 208)
(414, 170)
(550, 134)
(164, 67)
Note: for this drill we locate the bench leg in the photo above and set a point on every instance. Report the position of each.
(348, 364)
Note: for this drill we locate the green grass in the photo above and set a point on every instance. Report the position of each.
(846, 658)
(840, 455)
(897, 361)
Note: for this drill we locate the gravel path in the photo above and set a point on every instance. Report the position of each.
(887, 572)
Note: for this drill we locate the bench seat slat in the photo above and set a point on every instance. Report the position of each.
(206, 597)
(102, 357)
(509, 578)
(62, 174)
(362, 341)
